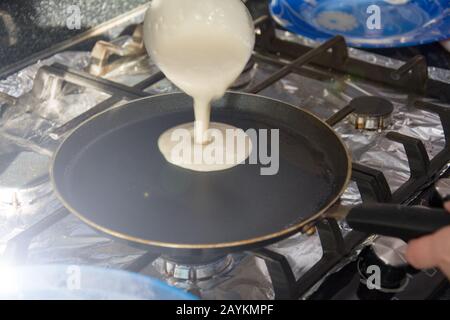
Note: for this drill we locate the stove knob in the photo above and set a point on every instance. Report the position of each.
(388, 254)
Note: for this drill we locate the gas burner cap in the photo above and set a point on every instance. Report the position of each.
(193, 272)
(371, 113)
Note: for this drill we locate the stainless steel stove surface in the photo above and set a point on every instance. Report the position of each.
(43, 102)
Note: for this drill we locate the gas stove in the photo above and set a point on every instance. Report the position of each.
(393, 116)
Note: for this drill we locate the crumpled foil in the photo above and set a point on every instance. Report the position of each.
(26, 149)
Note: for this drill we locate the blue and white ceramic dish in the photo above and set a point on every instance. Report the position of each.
(60, 282)
(366, 23)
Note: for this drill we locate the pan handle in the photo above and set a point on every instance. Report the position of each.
(397, 221)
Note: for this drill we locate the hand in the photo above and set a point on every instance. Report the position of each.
(431, 251)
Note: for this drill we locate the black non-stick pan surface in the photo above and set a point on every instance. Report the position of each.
(111, 174)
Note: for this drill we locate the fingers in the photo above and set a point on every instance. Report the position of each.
(431, 251)
(446, 266)
(443, 250)
(447, 206)
(421, 253)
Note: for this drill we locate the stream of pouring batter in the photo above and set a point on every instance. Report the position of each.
(203, 63)
(202, 46)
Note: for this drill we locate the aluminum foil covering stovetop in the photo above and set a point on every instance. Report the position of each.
(26, 149)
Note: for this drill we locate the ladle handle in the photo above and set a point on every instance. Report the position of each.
(397, 221)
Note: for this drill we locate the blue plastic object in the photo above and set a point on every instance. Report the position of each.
(60, 282)
(366, 23)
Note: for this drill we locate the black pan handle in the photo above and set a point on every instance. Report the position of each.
(397, 221)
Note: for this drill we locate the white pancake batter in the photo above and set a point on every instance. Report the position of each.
(227, 148)
(202, 46)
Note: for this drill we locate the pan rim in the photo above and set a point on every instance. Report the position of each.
(273, 236)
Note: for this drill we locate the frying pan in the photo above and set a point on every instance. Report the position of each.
(109, 172)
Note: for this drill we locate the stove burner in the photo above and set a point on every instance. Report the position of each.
(193, 272)
(371, 113)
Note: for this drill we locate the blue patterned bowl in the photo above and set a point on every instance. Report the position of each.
(60, 282)
(366, 23)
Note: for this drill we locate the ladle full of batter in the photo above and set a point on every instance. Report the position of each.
(202, 46)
